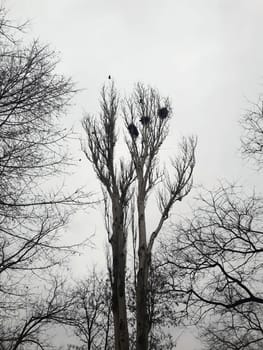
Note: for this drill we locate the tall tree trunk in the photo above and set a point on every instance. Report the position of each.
(141, 304)
(107, 331)
(118, 242)
(142, 327)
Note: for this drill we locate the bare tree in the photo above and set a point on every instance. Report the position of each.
(117, 182)
(25, 324)
(252, 138)
(160, 309)
(236, 329)
(146, 117)
(33, 150)
(90, 315)
(146, 103)
(217, 258)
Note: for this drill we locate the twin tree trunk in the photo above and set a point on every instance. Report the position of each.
(118, 243)
(119, 307)
(144, 120)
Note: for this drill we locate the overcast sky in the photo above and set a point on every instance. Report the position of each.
(206, 55)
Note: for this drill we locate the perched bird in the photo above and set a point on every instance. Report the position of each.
(163, 113)
(133, 130)
(109, 77)
(141, 101)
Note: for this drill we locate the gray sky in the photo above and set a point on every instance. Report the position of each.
(206, 55)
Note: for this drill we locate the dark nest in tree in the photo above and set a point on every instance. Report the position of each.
(133, 130)
(163, 113)
(145, 120)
